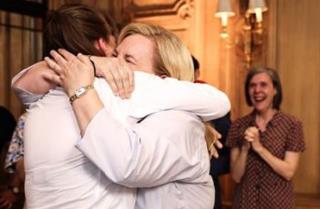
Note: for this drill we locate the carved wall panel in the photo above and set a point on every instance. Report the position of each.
(175, 15)
(180, 8)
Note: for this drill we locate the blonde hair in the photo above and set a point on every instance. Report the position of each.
(171, 57)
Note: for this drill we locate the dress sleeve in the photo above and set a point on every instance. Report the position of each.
(234, 135)
(146, 155)
(295, 140)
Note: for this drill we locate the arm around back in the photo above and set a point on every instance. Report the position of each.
(164, 147)
(32, 83)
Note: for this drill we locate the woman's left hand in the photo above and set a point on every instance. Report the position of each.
(72, 71)
(252, 135)
(117, 74)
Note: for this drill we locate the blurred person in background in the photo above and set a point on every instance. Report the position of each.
(8, 194)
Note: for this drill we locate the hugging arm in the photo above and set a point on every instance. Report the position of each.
(152, 93)
(166, 146)
(33, 82)
(163, 94)
(203, 100)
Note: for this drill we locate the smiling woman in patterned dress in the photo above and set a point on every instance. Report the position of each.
(265, 146)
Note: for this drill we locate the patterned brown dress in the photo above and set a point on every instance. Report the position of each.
(261, 187)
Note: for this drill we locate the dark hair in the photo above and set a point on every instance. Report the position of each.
(195, 62)
(75, 27)
(7, 126)
(115, 27)
(275, 81)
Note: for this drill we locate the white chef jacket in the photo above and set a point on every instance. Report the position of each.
(165, 156)
(59, 176)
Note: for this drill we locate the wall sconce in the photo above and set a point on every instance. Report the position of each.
(249, 39)
(257, 7)
(224, 12)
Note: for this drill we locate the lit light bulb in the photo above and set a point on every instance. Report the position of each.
(224, 12)
(259, 16)
(257, 7)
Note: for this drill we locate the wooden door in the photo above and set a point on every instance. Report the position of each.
(297, 57)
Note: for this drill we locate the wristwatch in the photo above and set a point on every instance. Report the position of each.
(80, 92)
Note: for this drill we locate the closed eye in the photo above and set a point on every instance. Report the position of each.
(129, 59)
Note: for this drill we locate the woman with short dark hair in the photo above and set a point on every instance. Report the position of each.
(265, 146)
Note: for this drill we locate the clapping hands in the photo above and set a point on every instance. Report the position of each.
(252, 137)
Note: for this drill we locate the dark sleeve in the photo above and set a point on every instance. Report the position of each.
(295, 140)
(221, 165)
(233, 138)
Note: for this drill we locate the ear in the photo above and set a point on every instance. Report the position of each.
(105, 48)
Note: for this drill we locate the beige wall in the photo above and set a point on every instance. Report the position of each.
(298, 61)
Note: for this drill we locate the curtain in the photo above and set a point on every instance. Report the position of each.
(20, 46)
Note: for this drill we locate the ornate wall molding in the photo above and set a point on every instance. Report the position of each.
(142, 8)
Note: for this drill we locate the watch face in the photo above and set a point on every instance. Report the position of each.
(80, 91)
